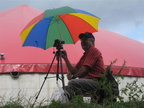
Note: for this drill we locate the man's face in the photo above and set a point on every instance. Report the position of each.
(86, 43)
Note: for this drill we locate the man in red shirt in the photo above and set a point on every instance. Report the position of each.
(90, 67)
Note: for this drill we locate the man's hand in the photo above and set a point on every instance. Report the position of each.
(64, 54)
(70, 67)
(69, 76)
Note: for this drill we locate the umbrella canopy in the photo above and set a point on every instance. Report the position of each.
(62, 23)
(31, 59)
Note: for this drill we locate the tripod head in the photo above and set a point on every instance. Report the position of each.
(58, 44)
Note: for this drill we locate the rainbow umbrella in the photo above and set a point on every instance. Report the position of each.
(62, 23)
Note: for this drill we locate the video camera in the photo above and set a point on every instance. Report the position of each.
(58, 44)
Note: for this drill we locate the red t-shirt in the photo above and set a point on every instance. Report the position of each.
(92, 58)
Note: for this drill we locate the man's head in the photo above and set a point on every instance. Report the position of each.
(87, 35)
(87, 40)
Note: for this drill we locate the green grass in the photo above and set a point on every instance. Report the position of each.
(94, 105)
(78, 104)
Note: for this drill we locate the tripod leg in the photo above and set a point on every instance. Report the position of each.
(60, 58)
(57, 74)
(59, 66)
(44, 80)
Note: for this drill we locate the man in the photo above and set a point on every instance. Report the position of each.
(89, 68)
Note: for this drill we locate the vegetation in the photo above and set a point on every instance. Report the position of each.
(78, 102)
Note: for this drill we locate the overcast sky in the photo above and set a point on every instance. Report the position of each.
(125, 17)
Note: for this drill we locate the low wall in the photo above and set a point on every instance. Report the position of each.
(26, 86)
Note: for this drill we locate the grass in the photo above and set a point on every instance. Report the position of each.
(90, 105)
(80, 104)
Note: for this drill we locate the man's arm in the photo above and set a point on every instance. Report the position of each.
(71, 69)
(82, 72)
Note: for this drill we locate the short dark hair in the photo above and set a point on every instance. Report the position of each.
(86, 35)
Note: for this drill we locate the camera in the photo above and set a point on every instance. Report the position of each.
(58, 44)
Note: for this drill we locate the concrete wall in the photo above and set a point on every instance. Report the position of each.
(26, 86)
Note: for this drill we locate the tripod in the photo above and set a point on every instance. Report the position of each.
(58, 45)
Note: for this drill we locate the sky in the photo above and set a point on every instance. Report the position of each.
(125, 17)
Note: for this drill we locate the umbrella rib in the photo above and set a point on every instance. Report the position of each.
(57, 21)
